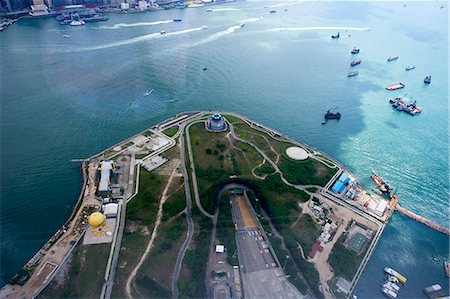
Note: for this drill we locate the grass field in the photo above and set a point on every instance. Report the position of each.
(85, 274)
(141, 214)
(170, 131)
(344, 261)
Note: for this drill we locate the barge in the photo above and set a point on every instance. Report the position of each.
(395, 86)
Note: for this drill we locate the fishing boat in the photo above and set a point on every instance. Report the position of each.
(355, 62)
(177, 20)
(352, 73)
(427, 79)
(335, 36)
(395, 86)
(410, 67)
(273, 11)
(392, 272)
(355, 50)
(392, 58)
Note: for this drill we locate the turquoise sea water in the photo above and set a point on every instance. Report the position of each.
(65, 98)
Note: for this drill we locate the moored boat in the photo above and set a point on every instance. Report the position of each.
(77, 23)
(410, 67)
(427, 79)
(352, 73)
(355, 62)
(388, 293)
(392, 272)
(392, 58)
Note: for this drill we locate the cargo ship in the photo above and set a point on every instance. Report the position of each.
(392, 272)
(395, 86)
(355, 62)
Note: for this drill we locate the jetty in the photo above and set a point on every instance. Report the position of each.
(423, 220)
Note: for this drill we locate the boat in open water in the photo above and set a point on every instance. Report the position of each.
(355, 50)
(405, 105)
(335, 36)
(352, 73)
(427, 79)
(355, 62)
(392, 58)
(410, 67)
(395, 86)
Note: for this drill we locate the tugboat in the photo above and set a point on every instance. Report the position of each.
(331, 115)
(355, 62)
(177, 20)
(427, 79)
(355, 50)
(410, 67)
(392, 58)
(352, 73)
(381, 184)
(335, 36)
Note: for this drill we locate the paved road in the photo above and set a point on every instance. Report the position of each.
(193, 175)
(190, 232)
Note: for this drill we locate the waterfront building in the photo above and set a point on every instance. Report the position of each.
(216, 122)
(38, 10)
(106, 168)
(110, 210)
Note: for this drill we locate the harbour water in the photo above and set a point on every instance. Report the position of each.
(65, 98)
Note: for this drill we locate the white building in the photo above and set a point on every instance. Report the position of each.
(110, 210)
(106, 167)
(39, 10)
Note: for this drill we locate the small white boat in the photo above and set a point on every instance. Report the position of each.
(209, 10)
(410, 67)
(388, 293)
(392, 286)
(66, 35)
(148, 92)
(77, 23)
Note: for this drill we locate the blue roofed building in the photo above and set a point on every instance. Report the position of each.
(216, 123)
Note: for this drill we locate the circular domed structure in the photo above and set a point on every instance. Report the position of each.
(296, 153)
(96, 219)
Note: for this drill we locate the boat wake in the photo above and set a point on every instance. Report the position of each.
(126, 25)
(138, 39)
(317, 28)
(252, 20)
(285, 4)
(224, 9)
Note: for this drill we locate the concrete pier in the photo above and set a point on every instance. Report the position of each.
(423, 220)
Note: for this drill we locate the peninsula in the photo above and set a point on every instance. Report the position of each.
(210, 205)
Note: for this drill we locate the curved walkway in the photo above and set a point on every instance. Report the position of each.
(190, 222)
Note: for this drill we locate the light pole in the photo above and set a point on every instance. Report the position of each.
(287, 257)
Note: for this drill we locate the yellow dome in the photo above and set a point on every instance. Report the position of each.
(96, 219)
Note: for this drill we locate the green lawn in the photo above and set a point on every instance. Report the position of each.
(85, 275)
(171, 131)
(344, 261)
